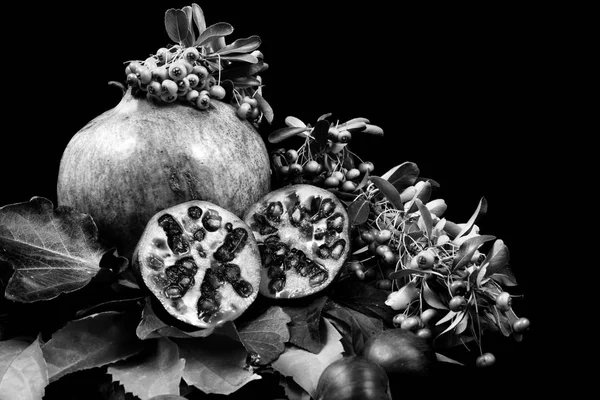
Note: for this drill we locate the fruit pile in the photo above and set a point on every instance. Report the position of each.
(196, 70)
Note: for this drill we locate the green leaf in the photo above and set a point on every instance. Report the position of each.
(52, 251)
(497, 258)
(432, 298)
(23, 373)
(265, 107)
(245, 82)
(91, 342)
(191, 37)
(467, 249)
(425, 222)
(217, 363)
(358, 211)
(373, 130)
(406, 272)
(403, 175)
(246, 45)
(265, 334)
(305, 367)
(198, 16)
(213, 32)
(389, 191)
(479, 211)
(157, 373)
(305, 324)
(320, 132)
(356, 327)
(284, 133)
(363, 298)
(176, 25)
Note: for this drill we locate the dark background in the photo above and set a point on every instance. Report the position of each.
(459, 91)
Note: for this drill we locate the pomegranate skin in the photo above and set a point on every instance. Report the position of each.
(140, 157)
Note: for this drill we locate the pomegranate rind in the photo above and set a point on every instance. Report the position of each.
(154, 244)
(297, 286)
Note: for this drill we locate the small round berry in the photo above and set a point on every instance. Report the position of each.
(254, 113)
(218, 92)
(295, 169)
(383, 236)
(154, 88)
(243, 110)
(331, 182)
(177, 70)
(133, 67)
(168, 97)
(191, 54)
(163, 54)
(503, 301)
(192, 96)
(373, 246)
(384, 284)
(132, 80)
(200, 71)
(412, 323)
(521, 325)
(203, 100)
(367, 236)
(352, 174)
(429, 315)
(348, 186)
(291, 155)
(144, 75)
(458, 287)
(366, 166)
(183, 85)
(193, 80)
(398, 319)
(457, 303)
(485, 360)
(382, 249)
(389, 258)
(354, 266)
(250, 100)
(360, 274)
(339, 175)
(424, 260)
(333, 134)
(284, 170)
(344, 136)
(312, 167)
(424, 333)
(160, 73)
(169, 86)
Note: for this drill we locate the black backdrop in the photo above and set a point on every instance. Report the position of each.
(456, 90)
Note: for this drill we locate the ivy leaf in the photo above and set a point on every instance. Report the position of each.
(356, 327)
(467, 249)
(158, 373)
(305, 367)
(215, 364)
(265, 334)
(389, 191)
(213, 32)
(358, 211)
(52, 251)
(23, 373)
(91, 342)
(176, 25)
(305, 325)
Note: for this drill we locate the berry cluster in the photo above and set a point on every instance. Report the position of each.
(324, 158)
(183, 74)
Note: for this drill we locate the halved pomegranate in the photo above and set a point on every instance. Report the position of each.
(200, 261)
(303, 237)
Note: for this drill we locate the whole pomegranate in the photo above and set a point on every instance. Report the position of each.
(200, 261)
(141, 157)
(303, 236)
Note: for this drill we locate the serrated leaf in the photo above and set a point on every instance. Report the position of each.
(403, 175)
(159, 373)
(284, 133)
(213, 32)
(265, 334)
(358, 211)
(245, 45)
(176, 25)
(389, 191)
(479, 211)
(23, 373)
(215, 364)
(52, 251)
(305, 367)
(91, 342)
(305, 324)
(497, 258)
(467, 249)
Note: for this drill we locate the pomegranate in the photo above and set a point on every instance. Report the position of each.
(200, 261)
(303, 237)
(353, 378)
(141, 157)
